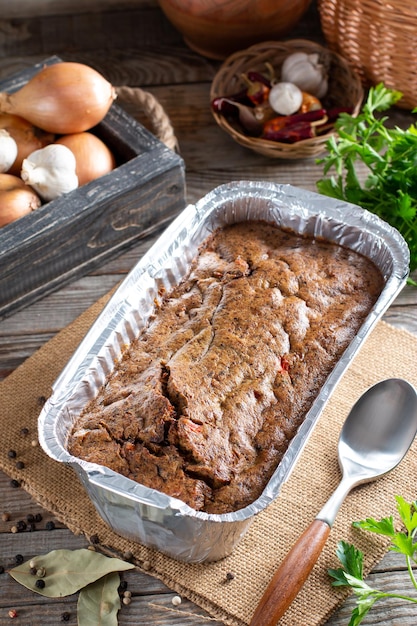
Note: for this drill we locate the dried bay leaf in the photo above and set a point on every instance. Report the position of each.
(67, 571)
(99, 602)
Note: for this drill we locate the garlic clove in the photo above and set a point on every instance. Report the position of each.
(307, 72)
(323, 88)
(8, 151)
(51, 171)
(290, 61)
(285, 98)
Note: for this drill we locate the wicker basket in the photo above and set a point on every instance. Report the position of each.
(345, 89)
(378, 38)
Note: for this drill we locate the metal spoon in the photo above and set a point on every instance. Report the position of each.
(375, 437)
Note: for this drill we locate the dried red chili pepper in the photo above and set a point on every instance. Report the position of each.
(257, 91)
(220, 103)
(333, 114)
(292, 134)
(301, 122)
(259, 78)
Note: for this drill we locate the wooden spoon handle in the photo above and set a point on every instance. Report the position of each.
(291, 574)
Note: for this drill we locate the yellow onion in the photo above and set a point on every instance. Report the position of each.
(16, 199)
(92, 156)
(62, 98)
(27, 137)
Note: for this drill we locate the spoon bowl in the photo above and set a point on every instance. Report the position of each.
(375, 437)
(378, 431)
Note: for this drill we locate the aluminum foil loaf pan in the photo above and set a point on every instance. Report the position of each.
(145, 515)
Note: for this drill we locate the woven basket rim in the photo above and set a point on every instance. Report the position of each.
(249, 56)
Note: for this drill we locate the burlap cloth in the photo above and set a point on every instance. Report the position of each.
(387, 352)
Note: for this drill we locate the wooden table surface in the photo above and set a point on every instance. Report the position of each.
(136, 46)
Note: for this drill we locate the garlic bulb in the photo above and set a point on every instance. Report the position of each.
(285, 98)
(8, 151)
(50, 171)
(306, 71)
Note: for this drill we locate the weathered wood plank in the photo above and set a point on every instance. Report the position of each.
(38, 8)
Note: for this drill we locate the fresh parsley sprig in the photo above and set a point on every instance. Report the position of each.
(351, 572)
(390, 156)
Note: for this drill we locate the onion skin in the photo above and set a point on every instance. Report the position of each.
(93, 157)
(27, 136)
(16, 199)
(62, 98)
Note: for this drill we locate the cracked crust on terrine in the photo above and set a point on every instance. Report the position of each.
(204, 403)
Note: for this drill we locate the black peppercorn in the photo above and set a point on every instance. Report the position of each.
(50, 525)
(20, 465)
(40, 583)
(24, 432)
(21, 526)
(122, 586)
(19, 559)
(30, 518)
(14, 483)
(1, 569)
(38, 518)
(12, 454)
(33, 571)
(94, 539)
(65, 617)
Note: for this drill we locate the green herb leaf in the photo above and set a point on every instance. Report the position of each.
(351, 559)
(351, 572)
(67, 571)
(365, 604)
(390, 158)
(383, 527)
(403, 544)
(99, 602)
(407, 513)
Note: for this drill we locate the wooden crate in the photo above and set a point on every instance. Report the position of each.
(68, 237)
